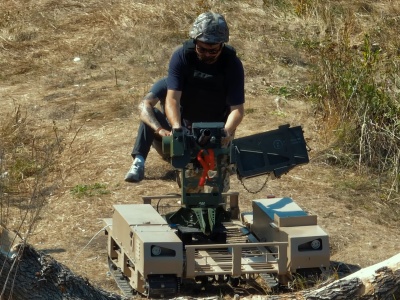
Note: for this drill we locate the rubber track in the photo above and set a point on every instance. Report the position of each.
(120, 279)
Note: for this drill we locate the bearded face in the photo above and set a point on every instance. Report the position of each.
(208, 53)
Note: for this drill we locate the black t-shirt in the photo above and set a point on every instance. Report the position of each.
(206, 88)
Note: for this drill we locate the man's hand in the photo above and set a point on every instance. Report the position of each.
(163, 132)
(226, 139)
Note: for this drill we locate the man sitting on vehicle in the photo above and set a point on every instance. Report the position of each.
(205, 83)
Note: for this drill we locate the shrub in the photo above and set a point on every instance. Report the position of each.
(355, 90)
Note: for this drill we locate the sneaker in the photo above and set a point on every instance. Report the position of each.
(135, 173)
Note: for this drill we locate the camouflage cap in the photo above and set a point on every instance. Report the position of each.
(210, 28)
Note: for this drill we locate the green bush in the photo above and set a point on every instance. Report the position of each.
(358, 99)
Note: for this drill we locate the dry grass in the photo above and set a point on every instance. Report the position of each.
(72, 73)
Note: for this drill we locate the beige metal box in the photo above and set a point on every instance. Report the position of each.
(142, 244)
(280, 219)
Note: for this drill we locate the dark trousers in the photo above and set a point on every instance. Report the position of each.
(146, 136)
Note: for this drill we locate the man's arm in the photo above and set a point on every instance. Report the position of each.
(147, 116)
(234, 118)
(172, 108)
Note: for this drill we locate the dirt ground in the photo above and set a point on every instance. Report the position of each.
(88, 99)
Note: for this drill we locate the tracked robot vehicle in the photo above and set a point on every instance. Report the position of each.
(153, 247)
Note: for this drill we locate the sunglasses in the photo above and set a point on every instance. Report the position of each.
(203, 50)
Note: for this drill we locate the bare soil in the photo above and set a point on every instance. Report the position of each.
(88, 98)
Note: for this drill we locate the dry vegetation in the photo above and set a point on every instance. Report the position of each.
(72, 73)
